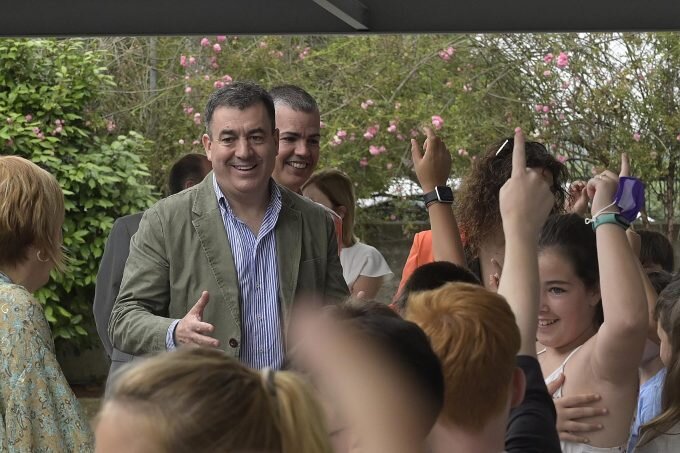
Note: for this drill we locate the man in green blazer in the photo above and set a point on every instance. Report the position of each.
(222, 263)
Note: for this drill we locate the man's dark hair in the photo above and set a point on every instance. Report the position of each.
(656, 249)
(190, 167)
(294, 97)
(240, 95)
(401, 341)
(432, 276)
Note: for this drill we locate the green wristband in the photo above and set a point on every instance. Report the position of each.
(610, 217)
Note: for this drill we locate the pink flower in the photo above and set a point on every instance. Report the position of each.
(302, 55)
(36, 130)
(59, 122)
(276, 53)
(341, 133)
(217, 48)
(368, 135)
(376, 150)
(546, 109)
(562, 60)
(335, 141)
(547, 73)
(58, 130)
(389, 165)
(41, 136)
(397, 105)
(218, 84)
(197, 118)
(188, 110)
(414, 133)
(227, 79)
(262, 44)
(539, 107)
(180, 141)
(444, 56)
(183, 61)
(186, 77)
(450, 51)
(206, 77)
(322, 125)
(561, 158)
(462, 152)
(363, 162)
(548, 58)
(637, 136)
(400, 137)
(366, 104)
(546, 122)
(28, 117)
(205, 42)
(352, 137)
(678, 138)
(195, 142)
(221, 38)
(192, 60)
(110, 125)
(437, 121)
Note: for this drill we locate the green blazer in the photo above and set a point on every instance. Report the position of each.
(182, 249)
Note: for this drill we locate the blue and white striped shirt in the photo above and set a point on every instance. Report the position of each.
(257, 271)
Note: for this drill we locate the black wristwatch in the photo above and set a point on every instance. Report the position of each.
(440, 194)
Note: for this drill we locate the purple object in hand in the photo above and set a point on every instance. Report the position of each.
(630, 197)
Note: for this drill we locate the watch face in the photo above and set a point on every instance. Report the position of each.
(444, 193)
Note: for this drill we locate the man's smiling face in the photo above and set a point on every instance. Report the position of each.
(299, 137)
(242, 149)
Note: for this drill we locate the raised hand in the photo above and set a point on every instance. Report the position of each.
(602, 188)
(525, 199)
(191, 330)
(578, 198)
(434, 165)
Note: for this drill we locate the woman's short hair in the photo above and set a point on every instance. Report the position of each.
(200, 399)
(31, 212)
(338, 188)
(475, 335)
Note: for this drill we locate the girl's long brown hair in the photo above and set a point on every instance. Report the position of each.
(667, 312)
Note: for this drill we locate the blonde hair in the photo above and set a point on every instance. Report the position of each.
(31, 212)
(474, 333)
(337, 186)
(200, 399)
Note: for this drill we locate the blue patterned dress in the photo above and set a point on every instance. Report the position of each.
(38, 410)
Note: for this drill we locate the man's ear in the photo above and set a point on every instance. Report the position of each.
(207, 143)
(518, 388)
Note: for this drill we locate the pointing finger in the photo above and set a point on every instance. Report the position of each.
(416, 153)
(625, 165)
(519, 160)
(200, 305)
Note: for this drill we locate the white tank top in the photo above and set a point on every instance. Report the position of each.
(560, 370)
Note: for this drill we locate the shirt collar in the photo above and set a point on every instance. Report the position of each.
(274, 196)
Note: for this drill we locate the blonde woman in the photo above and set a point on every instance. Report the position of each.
(38, 410)
(363, 267)
(201, 400)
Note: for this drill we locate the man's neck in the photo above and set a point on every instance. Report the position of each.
(250, 208)
(447, 438)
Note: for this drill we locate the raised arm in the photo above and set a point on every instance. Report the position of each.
(433, 169)
(525, 203)
(620, 341)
